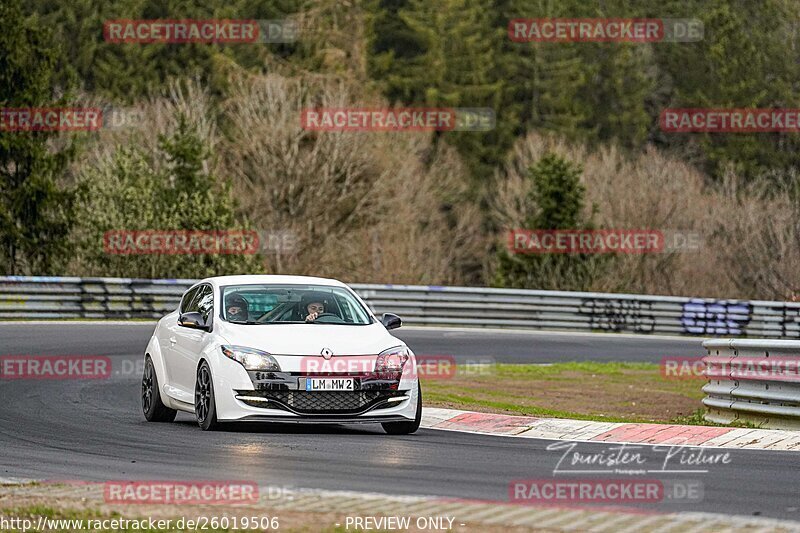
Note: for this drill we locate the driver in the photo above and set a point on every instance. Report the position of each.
(314, 309)
(311, 306)
(236, 308)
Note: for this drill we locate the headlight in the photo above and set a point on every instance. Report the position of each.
(392, 360)
(251, 359)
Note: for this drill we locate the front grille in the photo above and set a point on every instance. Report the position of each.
(321, 402)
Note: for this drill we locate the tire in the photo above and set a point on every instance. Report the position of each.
(205, 406)
(406, 428)
(153, 408)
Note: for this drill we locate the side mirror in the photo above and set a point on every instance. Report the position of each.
(391, 321)
(193, 320)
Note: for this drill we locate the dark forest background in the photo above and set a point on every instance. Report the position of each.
(217, 143)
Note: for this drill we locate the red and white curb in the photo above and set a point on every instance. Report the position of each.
(589, 431)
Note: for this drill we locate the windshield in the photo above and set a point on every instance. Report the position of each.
(292, 304)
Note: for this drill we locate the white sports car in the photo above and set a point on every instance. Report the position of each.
(280, 349)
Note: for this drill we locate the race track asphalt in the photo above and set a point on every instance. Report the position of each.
(505, 346)
(94, 430)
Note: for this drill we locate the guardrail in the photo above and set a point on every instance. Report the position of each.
(61, 297)
(753, 380)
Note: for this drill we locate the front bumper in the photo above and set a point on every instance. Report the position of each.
(303, 402)
(324, 419)
(281, 397)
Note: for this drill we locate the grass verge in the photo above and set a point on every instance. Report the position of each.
(608, 392)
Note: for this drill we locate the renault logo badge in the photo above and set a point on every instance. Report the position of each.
(326, 353)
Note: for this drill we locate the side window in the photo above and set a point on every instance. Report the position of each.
(344, 305)
(205, 302)
(187, 303)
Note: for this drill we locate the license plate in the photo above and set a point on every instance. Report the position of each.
(333, 384)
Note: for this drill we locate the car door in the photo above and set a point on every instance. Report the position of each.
(190, 342)
(168, 338)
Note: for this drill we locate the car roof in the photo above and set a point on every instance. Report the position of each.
(220, 281)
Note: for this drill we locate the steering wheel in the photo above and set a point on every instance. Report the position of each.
(329, 318)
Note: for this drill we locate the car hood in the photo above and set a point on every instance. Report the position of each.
(310, 339)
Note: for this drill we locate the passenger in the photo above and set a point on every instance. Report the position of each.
(236, 308)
